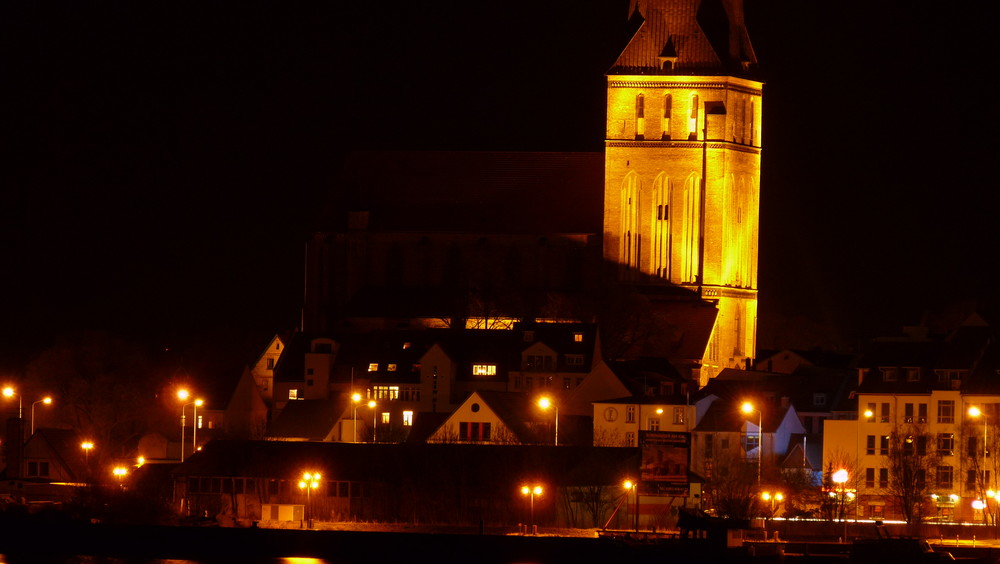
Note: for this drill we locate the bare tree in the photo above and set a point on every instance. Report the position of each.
(912, 460)
(732, 486)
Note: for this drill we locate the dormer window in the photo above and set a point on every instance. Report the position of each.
(888, 374)
(577, 337)
(373, 367)
(819, 399)
(529, 336)
(912, 374)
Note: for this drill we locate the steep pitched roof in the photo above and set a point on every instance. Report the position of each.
(701, 36)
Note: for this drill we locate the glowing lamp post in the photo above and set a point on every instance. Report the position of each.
(840, 478)
(309, 482)
(10, 392)
(546, 403)
(46, 401)
(87, 446)
(748, 408)
(531, 492)
(183, 395)
(120, 472)
(775, 498)
(976, 412)
(633, 486)
(356, 399)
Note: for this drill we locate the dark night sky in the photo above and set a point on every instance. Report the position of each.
(162, 164)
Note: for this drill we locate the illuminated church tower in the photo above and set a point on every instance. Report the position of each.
(682, 164)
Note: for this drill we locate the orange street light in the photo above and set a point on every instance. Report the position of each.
(309, 482)
(356, 399)
(47, 401)
(10, 392)
(531, 492)
(633, 486)
(546, 403)
(372, 404)
(183, 395)
(748, 408)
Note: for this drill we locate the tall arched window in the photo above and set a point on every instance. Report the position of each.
(640, 117)
(693, 119)
(631, 240)
(690, 228)
(668, 108)
(660, 227)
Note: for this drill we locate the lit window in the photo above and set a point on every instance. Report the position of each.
(407, 418)
(484, 370)
(946, 411)
(678, 415)
(373, 367)
(577, 337)
(391, 368)
(385, 417)
(385, 392)
(293, 394)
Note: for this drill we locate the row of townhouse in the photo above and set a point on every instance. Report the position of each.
(386, 384)
(923, 440)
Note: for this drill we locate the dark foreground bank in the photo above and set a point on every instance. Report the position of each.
(337, 547)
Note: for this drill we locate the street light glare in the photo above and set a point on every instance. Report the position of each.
(183, 395)
(544, 403)
(840, 476)
(974, 411)
(747, 407)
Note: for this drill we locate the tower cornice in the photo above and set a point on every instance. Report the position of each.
(745, 86)
(683, 145)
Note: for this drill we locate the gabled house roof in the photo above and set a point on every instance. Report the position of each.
(61, 446)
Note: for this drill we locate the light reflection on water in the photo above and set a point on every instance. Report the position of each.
(83, 559)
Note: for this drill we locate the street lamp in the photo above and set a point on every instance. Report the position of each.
(976, 412)
(120, 472)
(857, 451)
(46, 401)
(10, 392)
(776, 497)
(183, 395)
(630, 486)
(546, 403)
(356, 398)
(840, 478)
(372, 404)
(748, 408)
(309, 482)
(531, 492)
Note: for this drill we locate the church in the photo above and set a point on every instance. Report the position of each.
(655, 239)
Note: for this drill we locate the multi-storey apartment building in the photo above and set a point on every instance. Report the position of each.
(922, 445)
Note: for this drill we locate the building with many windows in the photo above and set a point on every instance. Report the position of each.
(923, 441)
